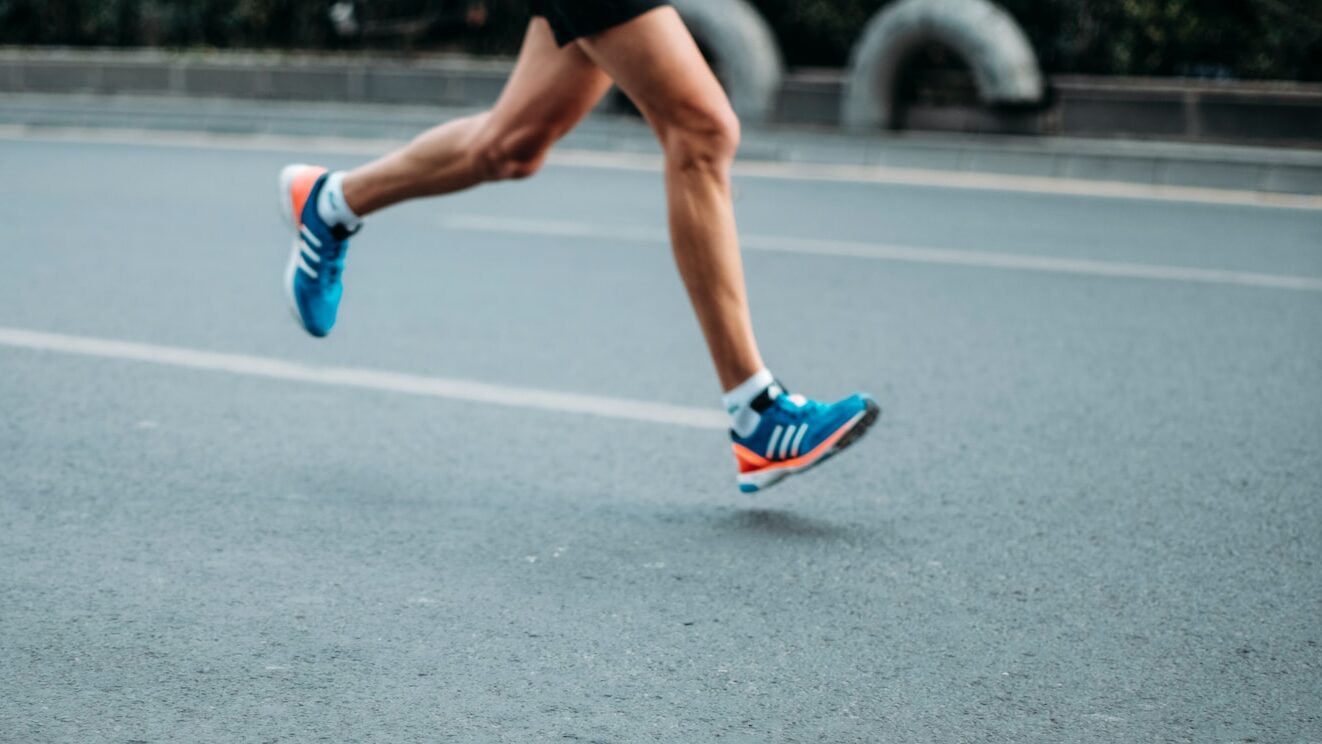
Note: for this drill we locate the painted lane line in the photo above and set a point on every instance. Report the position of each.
(886, 175)
(642, 161)
(391, 382)
(901, 253)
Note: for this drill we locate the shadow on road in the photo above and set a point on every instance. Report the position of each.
(782, 524)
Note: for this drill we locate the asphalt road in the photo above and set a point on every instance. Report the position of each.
(1092, 511)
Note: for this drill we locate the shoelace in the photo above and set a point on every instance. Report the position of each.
(333, 259)
(334, 263)
(786, 403)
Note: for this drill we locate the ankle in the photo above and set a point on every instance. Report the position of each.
(746, 401)
(333, 205)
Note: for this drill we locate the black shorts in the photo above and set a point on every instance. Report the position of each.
(574, 19)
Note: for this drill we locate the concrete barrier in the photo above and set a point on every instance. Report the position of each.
(447, 80)
(985, 36)
(743, 49)
(1239, 112)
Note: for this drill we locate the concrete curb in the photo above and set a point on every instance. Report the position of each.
(1270, 170)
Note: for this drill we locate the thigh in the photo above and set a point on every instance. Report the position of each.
(655, 60)
(551, 88)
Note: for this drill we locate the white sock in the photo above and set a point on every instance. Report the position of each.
(332, 207)
(739, 401)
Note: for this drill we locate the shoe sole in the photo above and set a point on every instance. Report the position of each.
(287, 175)
(754, 482)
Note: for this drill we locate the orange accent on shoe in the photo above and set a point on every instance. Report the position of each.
(301, 188)
(748, 459)
(816, 452)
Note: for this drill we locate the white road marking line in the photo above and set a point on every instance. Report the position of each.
(951, 179)
(902, 253)
(200, 140)
(392, 382)
(633, 161)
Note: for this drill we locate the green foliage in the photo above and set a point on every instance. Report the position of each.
(1229, 38)
(1239, 38)
(818, 33)
(219, 23)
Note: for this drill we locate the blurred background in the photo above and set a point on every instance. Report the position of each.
(1243, 71)
(1235, 39)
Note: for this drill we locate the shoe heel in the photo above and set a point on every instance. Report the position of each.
(287, 175)
(754, 482)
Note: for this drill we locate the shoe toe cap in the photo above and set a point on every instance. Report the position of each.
(316, 311)
(854, 404)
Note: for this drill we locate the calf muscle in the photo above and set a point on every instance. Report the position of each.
(655, 60)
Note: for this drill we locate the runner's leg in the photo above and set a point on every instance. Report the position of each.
(654, 59)
(550, 90)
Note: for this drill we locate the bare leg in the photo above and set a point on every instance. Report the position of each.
(550, 90)
(655, 61)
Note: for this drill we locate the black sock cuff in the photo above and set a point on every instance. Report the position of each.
(763, 400)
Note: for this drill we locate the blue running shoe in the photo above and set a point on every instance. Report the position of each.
(312, 277)
(796, 434)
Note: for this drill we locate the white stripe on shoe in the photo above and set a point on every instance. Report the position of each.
(785, 443)
(308, 236)
(775, 435)
(302, 264)
(798, 439)
(308, 253)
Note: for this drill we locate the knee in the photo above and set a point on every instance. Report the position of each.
(503, 153)
(702, 138)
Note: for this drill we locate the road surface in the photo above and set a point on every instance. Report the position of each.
(1090, 513)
